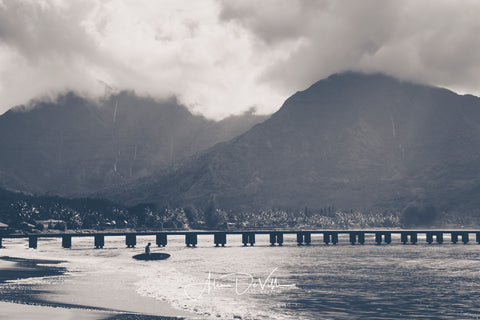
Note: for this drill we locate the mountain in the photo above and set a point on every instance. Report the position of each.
(352, 140)
(75, 146)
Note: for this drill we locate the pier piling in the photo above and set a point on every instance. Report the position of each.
(378, 238)
(303, 237)
(361, 237)
(383, 236)
(429, 237)
(454, 237)
(244, 238)
(66, 241)
(414, 238)
(438, 237)
(220, 238)
(251, 238)
(326, 237)
(353, 238)
(161, 239)
(191, 239)
(357, 236)
(463, 235)
(130, 240)
(276, 237)
(273, 238)
(307, 238)
(330, 237)
(387, 237)
(248, 237)
(300, 238)
(405, 236)
(32, 242)
(99, 241)
(280, 238)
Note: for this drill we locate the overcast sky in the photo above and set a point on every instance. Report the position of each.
(223, 57)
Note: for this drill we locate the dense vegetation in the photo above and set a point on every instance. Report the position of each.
(18, 210)
(23, 212)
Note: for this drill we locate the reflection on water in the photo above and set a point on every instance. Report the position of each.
(290, 282)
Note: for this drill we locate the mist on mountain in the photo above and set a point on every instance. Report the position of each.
(72, 145)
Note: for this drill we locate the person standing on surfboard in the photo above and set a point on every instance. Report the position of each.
(147, 249)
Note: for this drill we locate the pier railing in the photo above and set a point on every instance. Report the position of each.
(303, 237)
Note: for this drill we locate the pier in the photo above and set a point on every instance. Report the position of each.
(276, 237)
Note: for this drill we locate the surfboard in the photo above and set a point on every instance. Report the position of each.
(152, 256)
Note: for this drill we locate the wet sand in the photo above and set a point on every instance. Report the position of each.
(16, 311)
(91, 296)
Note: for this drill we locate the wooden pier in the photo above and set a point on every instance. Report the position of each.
(276, 237)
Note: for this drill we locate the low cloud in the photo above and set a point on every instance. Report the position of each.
(434, 42)
(224, 57)
(159, 48)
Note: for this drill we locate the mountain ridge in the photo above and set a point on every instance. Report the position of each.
(73, 146)
(353, 140)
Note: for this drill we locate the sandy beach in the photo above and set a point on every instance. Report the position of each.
(16, 311)
(105, 295)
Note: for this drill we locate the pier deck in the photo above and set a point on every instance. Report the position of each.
(303, 237)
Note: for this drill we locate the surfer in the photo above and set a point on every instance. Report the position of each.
(147, 249)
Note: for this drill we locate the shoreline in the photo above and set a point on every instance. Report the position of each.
(69, 296)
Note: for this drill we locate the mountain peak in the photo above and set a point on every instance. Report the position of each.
(353, 140)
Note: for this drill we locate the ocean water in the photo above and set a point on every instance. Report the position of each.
(290, 282)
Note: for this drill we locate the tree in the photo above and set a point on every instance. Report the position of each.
(414, 215)
(213, 218)
(192, 214)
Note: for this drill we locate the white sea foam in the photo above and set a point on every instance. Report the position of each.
(36, 280)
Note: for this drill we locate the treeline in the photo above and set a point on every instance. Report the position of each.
(309, 218)
(21, 211)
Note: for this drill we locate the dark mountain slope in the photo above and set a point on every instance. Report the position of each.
(74, 146)
(352, 140)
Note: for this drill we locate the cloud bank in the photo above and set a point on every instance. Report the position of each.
(224, 57)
